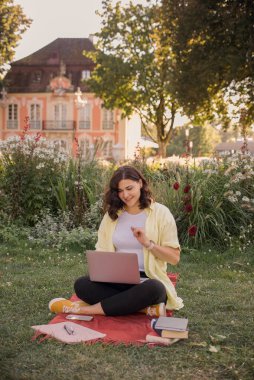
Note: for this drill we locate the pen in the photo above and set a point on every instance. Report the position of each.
(69, 330)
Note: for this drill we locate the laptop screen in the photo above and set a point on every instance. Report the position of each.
(113, 267)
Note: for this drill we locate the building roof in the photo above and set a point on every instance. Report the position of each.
(34, 72)
(69, 50)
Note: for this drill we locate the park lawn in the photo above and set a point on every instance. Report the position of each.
(217, 289)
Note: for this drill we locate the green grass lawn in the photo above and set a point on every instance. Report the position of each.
(217, 289)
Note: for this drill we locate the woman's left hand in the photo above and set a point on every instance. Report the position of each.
(140, 235)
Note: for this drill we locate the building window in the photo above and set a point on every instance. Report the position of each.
(60, 115)
(60, 111)
(36, 77)
(107, 119)
(12, 117)
(85, 117)
(85, 74)
(108, 149)
(35, 116)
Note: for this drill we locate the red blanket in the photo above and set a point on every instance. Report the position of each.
(128, 329)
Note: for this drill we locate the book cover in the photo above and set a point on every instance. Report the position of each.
(172, 334)
(171, 323)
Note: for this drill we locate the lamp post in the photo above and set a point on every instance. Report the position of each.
(188, 143)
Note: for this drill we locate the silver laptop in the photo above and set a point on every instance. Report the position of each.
(113, 267)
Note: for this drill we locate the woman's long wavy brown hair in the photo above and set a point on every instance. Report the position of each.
(112, 202)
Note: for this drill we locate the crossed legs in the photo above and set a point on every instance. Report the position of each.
(118, 299)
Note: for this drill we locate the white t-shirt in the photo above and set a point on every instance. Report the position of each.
(123, 238)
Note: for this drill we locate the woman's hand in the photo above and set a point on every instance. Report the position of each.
(140, 235)
(168, 254)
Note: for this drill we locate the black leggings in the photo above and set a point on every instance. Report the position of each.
(120, 299)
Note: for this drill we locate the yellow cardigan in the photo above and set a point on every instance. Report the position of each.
(160, 227)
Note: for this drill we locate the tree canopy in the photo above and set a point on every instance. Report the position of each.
(190, 56)
(13, 23)
(134, 67)
(213, 46)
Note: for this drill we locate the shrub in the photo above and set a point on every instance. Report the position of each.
(212, 204)
(29, 165)
(11, 233)
(239, 171)
(59, 232)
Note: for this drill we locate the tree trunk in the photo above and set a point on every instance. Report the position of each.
(162, 149)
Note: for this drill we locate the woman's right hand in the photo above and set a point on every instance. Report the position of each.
(140, 235)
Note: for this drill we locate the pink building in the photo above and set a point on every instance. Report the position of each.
(49, 88)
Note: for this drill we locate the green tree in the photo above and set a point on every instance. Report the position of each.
(134, 67)
(13, 23)
(213, 46)
(204, 139)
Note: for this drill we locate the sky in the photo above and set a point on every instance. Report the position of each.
(58, 18)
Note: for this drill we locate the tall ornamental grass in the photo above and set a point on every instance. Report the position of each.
(80, 189)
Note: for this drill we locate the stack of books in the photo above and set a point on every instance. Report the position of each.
(170, 327)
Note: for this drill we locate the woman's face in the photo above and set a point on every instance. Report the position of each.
(129, 192)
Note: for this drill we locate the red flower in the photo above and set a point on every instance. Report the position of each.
(188, 207)
(187, 188)
(176, 185)
(192, 230)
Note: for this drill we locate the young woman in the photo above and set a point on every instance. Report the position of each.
(133, 222)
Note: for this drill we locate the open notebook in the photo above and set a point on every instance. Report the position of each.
(69, 332)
